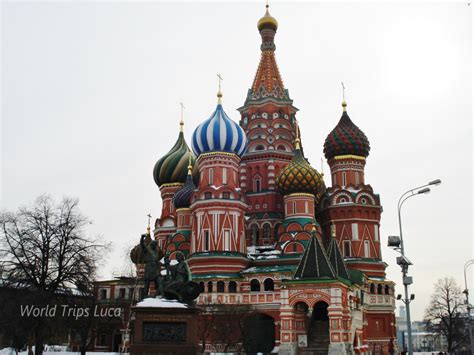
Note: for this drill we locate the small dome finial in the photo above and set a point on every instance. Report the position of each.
(190, 164)
(267, 21)
(297, 139)
(219, 93)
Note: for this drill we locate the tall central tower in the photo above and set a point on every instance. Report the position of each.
(268, 118)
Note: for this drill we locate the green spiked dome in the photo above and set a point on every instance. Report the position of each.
(299, 176)
(173, 166)
(346, 139)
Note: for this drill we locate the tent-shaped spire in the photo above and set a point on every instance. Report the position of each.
(336, 259)
(314, 264)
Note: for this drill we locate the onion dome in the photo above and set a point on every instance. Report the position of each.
(172, 167)
(182, 197)
(267, 21)
(300, 176)
(219, 133)
(346, 139)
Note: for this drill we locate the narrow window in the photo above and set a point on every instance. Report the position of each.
(103, 294)
(343, 179)
(232, 287)
(355, 231)
(366, 249)
(372, 288)
(379, 289)
(227, 240)
(206, 240)
(376, 233)
(306, 207)
(224, 176)
(258, 186)
(387, 290)
(347, 248)
(220, 286)
(294, 207)
(122, 293)
(211, 176)
(209, 286)
(357, 178)
(334, 180)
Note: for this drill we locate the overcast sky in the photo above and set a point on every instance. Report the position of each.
(91, 93)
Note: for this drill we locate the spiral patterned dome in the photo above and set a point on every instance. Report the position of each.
(346, 139)
(182, 197)
(300, 176)
(172, 167)
(219, 133)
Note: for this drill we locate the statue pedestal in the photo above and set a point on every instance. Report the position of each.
(164, 327)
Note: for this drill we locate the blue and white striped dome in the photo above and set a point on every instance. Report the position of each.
(219, 133)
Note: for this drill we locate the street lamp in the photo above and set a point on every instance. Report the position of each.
(466, 292)
(398, 244)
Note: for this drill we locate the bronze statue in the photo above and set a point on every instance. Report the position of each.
(178, 284)
(152, 255)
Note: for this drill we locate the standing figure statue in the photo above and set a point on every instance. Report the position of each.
(152, 255)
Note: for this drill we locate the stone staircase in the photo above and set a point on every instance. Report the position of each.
(318, 338)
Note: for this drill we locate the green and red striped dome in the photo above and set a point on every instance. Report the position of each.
(346, 139)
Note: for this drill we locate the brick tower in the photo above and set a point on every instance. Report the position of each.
(268, 118)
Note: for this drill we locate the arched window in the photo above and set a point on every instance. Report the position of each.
(343, 179)
(201, 287)
(257, 185)
(281, 147)
(232, 287)
(387, 290)
(379, 289)
(259, 147)
(254, 285)
(209, 286)
(254, 234)
(224, 176)
(372, 288)
(294, 207)
(220, 286)
(268, 285)
(266, 231)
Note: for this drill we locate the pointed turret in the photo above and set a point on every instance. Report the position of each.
(335, 257)
(314, 264)
(267, 82)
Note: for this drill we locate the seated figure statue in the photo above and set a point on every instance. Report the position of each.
(178, 284)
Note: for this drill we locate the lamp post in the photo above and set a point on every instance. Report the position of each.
(403, 261)
(468, 306)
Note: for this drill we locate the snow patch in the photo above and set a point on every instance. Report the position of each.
(160, 303)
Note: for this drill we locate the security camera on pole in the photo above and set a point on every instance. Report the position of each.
(396, 242)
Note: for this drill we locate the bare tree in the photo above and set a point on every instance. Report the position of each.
(44, 248)
(445, 316)
(222, 325)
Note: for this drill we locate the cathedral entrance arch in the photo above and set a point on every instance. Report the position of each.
(318, 328)
(259, 333)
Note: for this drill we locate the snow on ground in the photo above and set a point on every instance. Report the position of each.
(10, 351)
(160, 303)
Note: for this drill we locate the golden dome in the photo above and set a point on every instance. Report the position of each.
(267, 21)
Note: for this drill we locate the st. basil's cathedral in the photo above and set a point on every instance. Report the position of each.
(259, 226)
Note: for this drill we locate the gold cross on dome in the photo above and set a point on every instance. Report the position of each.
(181, 123)
(343, 91)
(220, 80)
(149, 218)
